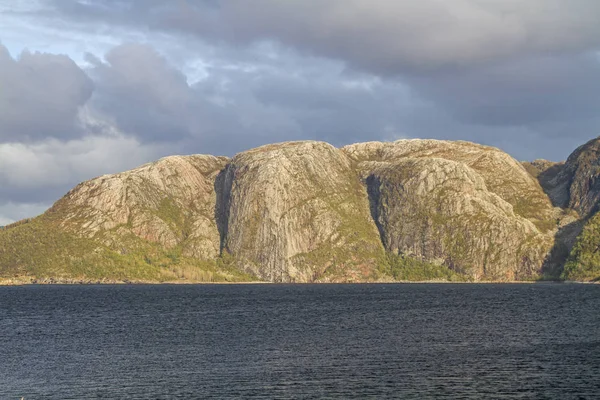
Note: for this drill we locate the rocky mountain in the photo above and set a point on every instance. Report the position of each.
(576, 186)
(170, 202)
(446, 201)
(153, 223)
(546, 172)
(297, 212)
(309, 212)
(578, 182)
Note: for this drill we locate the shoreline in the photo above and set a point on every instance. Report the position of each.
(83, 282)
(25, 281)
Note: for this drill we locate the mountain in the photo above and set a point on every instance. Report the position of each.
(152, 223)
(576, 186)
(472, 207)
(310, 212)
(298, 212)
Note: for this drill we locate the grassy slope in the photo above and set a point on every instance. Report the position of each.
(41, 249)
(584, 262)
(362, 250)
(405, 268)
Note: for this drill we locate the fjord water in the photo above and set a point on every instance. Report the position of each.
(300, 341)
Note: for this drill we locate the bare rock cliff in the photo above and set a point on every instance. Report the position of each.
(297, 212)
(577, 185)
(170, 202)
(471, 207)
(502, 174)
(303, 212)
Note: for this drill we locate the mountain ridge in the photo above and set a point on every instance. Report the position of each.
(306, 211)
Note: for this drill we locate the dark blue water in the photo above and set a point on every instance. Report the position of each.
(300, 341)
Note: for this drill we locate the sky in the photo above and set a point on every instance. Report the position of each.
(90, 87)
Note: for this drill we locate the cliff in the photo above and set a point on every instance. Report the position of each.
(301, 212)
(298, 212)
(153, 223)
(472, 208)
(576, 186)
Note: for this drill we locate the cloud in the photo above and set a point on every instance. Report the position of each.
(40, 96)
(238, 104)
(387, 37)
(145, 95)
(42, 172)
(479, 65)
(219, 77)
(148, 98)
(531, 91)
(11, 212)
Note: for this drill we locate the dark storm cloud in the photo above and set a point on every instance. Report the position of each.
(530, 66)
(239, 105)
(40, 96)
(525, 92)
(143, 93)
(384, 36)
(150, 99)
(334, 107)
(220, 77)
(295, 98)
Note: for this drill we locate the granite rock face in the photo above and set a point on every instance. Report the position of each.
(296, 212)
(546, 172)
(441, 210)
(577, 185)
(447, 202)
(309, 212)
(170, 202)
(502, 174)
(574, 184)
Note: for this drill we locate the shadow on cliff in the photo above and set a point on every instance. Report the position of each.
(564, 240)
(556, 185)
(374, 194)
(223, 184)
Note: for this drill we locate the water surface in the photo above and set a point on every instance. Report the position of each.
(300, 341)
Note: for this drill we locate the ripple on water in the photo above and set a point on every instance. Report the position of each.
(300, 341)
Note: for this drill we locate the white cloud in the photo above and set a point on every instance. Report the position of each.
(53, 162)
(220, 77)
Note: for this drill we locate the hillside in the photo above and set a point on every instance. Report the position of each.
(306, 212)
(577, 184)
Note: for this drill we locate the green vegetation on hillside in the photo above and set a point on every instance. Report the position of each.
(362, 248)
(42, 249)
(300, 212)
(584, 262)
(406, 268)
